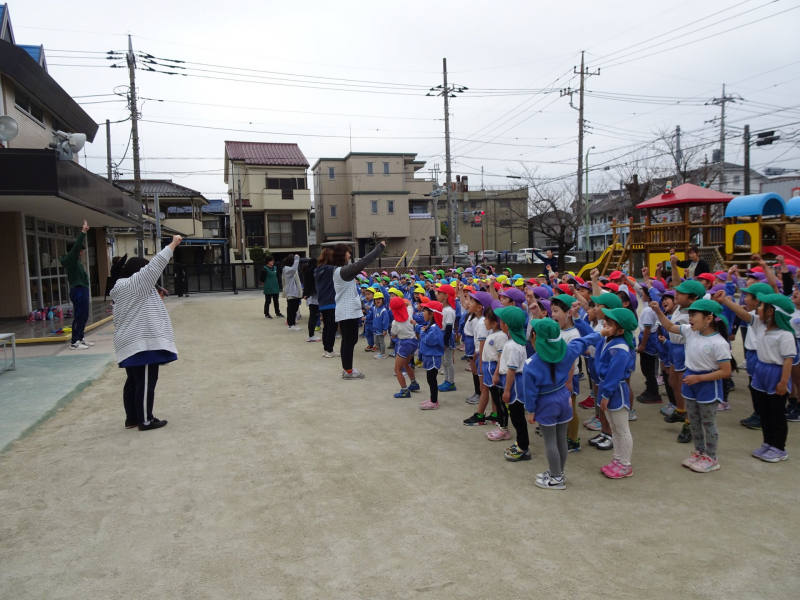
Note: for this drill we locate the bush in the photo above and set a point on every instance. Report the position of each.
(259, 255)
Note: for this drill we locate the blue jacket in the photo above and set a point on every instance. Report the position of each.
(323, 277)
(431, 342)
(612, 362)
(380, 319)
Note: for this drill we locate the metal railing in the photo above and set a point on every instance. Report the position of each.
(221, 277)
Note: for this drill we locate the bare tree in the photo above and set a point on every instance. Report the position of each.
(684, 159)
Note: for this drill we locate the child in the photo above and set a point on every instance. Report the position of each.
(369, 296)
(405, 346)
(668, 307)
(431, 347)
(480, 302)
(469, 345)
(380, 324)
(446, 295)
(648, 348)
(492, 348)
(509, 376)
(708, 362)
(612, 363)
(560, 307)
(546, 396)
(776, 350)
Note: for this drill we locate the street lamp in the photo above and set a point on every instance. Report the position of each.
(586, 206)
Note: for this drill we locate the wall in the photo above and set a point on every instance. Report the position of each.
(126, 244)
(187, 227)
(102, 256)
(31, 134)
(13, 299)
(332, 192)
(387, 225)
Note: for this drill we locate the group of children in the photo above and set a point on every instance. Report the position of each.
(527, 341)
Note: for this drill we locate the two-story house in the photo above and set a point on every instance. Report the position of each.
(44, 194)
(367, 197)
(275, 200)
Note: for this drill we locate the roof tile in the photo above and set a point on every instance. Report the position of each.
(266, 153)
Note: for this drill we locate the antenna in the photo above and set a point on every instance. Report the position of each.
(8, 129)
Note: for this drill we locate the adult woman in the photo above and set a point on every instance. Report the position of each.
(310, 296)
(348, 301)
(269, 275)
(292, 290)
(143, 337)
(326, 296)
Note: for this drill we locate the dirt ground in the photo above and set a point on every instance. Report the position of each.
(277, 479)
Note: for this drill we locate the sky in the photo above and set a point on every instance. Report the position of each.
(352, 75)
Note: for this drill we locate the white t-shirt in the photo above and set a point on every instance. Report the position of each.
(480, 331)
(774, 345)
(493, 346)
(513, 356)
(678, 318)
(795, 321)
(469, 326)
(598, 327)
(570, 334)
(704, 352)
(750, 342)
(448, 317)
(649, 319)
(404, 330)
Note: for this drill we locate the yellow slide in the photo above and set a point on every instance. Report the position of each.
(587, 268)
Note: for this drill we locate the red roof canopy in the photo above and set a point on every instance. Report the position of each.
(686, 193)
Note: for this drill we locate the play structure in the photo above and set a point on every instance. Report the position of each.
(727, 229)
(598, 264)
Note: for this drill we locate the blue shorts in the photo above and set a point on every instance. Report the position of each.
(469, 345)
(751, 356)
(554, 407)
(429, 363)
(513, 393)
(677, 357)
(488, 372)
(766, 376)
(704, 392)
(576, 384)
(405, 348)
(620, 398)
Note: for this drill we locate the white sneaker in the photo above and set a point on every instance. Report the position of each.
(314, 339)
(335, 354)
(632, 415)
(78, 346)
(294, 328)
(87, 344)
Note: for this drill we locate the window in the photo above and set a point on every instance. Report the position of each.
(390, 204)
(331, 172)
(385, 168)
(333, 211)
(736, 180)
(287, 185)
(369, 168)
(26, 105)
(374, 205)
(280, 231)
(475, 204)
(505, 203)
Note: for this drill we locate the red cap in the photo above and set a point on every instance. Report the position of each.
(399, 310)
(707, 277)
(615, 275)
(578, 279)
(498, 286)
(612, 286)
(757, 270)
(436, 307)
(564, 288)
(451, 294)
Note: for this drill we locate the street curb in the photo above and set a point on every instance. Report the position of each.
(63, 338)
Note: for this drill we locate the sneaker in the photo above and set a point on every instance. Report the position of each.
(754, 422)
(597, 439)
(154, 424)
(404, 393)
(588, 403)
(379, 356)
(667, 410)
(498, 435)
(492, 419)
(660, 380)
(793, 416)
(705, 464)
(281, 315)
(414, 387)
(692, 459)
(632, 415)
(85, 343)
(267, 316)
(475, 420)
(543, 475)
(646, 398)
(465, 357)
(314, 339)
(517, 454)
(773, 455)
(550, 483)
(317, 328)
(78, 346)
(607, 443)
(295, 328)
(447, 387)
(685, 436)
(748, 419)
(675, 417)
(335, 354)
(429, 405)
(593, 424)
(474, 399)
(723, 406)
(131, 424)
(761, 450)
(616, 470)
(581, 376)
(743, 365)
(354, 375)
(573, 445)
(391, 353)
(368, 349)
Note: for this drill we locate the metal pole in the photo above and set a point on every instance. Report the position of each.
(451, 211)
(586, 206)
(747, 160)
(678, 153)
(722, 143)
(137, 176)
(580, 134)
(108, 148)
(157, 210)
(241, 227)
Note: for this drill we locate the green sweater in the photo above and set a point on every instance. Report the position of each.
(270, 280)
(73, 265)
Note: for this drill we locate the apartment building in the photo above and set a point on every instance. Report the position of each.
(45, 195)
(271, 181)
(366, 197)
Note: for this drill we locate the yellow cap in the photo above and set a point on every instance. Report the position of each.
(396, 292)
(502, 279)
(377, 295)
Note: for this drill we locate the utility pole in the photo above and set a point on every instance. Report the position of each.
(678, 154)
(108, 148)
(137, 176)
(586, 207)
(747, 160)
(721, 102)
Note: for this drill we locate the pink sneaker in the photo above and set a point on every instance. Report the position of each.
(498, 435)
(723, 406)
(616, 470)
(428, 405)
(692, 459)
(705, 464)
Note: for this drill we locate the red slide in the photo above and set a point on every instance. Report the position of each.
(787, 251)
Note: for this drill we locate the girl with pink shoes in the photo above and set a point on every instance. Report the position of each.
(490, 356)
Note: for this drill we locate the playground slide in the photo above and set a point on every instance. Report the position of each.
(787, 251)
(587, 268)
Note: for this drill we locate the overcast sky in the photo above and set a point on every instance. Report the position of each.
(390, 53)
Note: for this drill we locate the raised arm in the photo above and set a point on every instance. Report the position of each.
(349, 272)
(596, 289)
(666, 324)
(739, 311)
(144, 281)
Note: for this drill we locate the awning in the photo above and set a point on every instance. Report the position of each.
(37, 183)
(686, 193)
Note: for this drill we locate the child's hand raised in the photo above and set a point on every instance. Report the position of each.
(655, 306)
(719, 296)
(595, 274)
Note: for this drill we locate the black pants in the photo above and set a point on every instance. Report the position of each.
(433, 385)
(181, 287)
(313, 318)
(502, 408)
(349, 338)
(516, 411)
(79, 296)
(138, 394)
(274, 299)
(772, 410)
(328, 329)
(648, 365)
(668, 387)
(292, 306)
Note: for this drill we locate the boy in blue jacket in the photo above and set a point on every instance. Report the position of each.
(431, 349)
(380, 323)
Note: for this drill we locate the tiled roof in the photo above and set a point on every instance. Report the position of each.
(162, 187)
(214, 207)
(257, 153)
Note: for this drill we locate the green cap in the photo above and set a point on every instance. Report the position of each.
(440, 272)
(608, 301)
(515, 319)
(690, 286)
(625, 318)
(758, 288)
(710, 306)
(783, 309)
(565, 299)
(509, 270)
(549, 345)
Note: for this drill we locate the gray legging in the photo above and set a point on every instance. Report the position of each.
(449, 367)
(703, 423)
(555, 446)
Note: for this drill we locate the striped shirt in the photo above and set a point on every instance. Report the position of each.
(141, 320)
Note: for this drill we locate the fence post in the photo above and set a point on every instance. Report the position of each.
(405, 262)
(233, 278)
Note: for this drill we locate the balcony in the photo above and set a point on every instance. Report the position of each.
(280, 200)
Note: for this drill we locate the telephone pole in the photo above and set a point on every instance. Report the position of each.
(721, 102)
(678, 154)
(137, 176)
(108, 149)
(747, 160)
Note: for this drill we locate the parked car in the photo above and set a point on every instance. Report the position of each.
(489, 255)
(568, 258)
(460, 260)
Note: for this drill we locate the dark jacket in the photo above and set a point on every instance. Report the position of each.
(553, 262)
(76, 274)
(270, 280)
(323, 278)
(702, 266)
(309, 283)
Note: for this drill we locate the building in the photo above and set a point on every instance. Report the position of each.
(367, 197)
(733, 180)
(44, 193)
(786, 184)
(271, 181)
